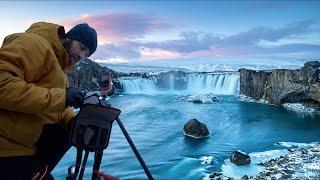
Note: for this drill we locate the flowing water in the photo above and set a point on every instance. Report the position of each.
(154, 117)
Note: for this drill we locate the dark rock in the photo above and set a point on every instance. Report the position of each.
(117, 84)
(245, 177)
(288, 171)
(261, 164)
(200, 99)
(195, 129)
(197, 101)
(239, 158)
(215, 174)
(285, 176)
(87, 75)
(290, 150)
(284, 86)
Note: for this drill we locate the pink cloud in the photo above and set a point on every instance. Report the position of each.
(151, 54)
(118, 27)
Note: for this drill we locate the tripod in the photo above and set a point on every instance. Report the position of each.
(91, 132)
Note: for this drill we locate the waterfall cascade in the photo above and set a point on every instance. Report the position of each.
(177, 82)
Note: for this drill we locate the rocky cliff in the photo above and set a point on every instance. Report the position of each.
(87, 75)
(284, 86)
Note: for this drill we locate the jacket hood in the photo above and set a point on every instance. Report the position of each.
(52, 33)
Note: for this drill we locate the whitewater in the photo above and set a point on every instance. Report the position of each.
(154, 113)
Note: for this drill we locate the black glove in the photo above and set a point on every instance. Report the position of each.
(74, 97)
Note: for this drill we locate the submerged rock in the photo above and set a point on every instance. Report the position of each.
(240, 158)
(195, 129)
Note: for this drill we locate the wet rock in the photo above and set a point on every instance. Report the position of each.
(87, 74)
(245, 177)
(215, 174)
(195, 129)
(196, 101)
(261, 164)
(240, 158)
(200, 99)
(286, 176)
(117, 84)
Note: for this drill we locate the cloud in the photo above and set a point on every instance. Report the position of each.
(118, 33)
(151, 54)
(113, 27)
(243, 43)
(270, 34)
(123, 51)
(188, 42)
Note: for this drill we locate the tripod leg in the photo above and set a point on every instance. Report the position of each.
(83, 165)
(97, 161)
(133, 147)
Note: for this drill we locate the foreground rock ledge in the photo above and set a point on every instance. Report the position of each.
(195, 129)
(298, 163)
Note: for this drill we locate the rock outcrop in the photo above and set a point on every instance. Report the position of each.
(240, 158)
(87, 75)
(200, 99)
(284, 86)
(195, 129)
(298, 163)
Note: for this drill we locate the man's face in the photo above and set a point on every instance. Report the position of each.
(76, 51)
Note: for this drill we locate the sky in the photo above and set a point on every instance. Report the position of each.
(144, 31)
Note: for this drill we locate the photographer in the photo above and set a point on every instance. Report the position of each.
(35, 98)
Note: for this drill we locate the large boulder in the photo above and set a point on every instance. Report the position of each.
(195, 129)
(284, 86)
(240, 158)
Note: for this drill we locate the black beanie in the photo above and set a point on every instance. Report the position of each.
(84, 34)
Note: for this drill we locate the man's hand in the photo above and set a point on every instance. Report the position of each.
(74, 97)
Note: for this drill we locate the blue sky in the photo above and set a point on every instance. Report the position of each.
(134, 31)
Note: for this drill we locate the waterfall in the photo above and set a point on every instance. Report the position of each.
(183, 83)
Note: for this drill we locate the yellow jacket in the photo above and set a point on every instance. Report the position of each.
(32, 87)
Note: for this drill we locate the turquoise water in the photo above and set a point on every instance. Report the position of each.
(155, 124)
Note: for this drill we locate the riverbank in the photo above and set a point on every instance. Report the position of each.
(298, 161)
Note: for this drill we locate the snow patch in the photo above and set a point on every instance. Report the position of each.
(294, 144)
(245, 98)
(206, 160)
(300, 108)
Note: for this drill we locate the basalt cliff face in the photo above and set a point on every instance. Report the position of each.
(87, 75)
(284, 86)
